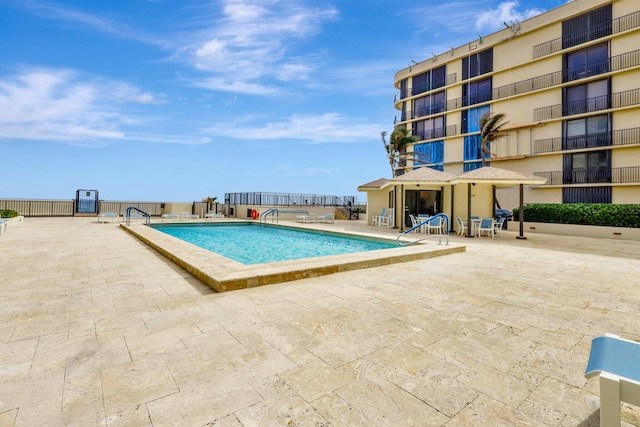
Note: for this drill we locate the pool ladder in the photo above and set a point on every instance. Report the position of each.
(273, 212)
(417, 226)
(144, 214)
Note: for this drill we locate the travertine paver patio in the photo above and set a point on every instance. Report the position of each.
(98, 329)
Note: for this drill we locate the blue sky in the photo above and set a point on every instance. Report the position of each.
(176, 100)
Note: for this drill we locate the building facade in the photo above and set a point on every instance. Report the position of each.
(568, 82)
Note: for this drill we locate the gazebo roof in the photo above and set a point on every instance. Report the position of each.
(423, 175)
(373, 185)
(498, 177)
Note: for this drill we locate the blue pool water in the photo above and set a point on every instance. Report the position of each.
(256, 244)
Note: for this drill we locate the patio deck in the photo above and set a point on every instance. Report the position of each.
(96, 328)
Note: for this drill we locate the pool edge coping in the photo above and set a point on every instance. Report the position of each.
(223, 274)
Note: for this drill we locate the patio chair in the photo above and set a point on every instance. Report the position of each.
(497, 226)
(435, 224)
(376, 218)
(486, 226)
(462, 228)
(617, 362)
(385, 221)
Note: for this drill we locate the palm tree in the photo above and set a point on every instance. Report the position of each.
(490, 130)
(396, 147)
(210, 201)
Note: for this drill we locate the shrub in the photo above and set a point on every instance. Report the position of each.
(8, 213)
(603, 214)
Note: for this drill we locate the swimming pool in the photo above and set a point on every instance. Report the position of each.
(225, 274)
(251, 243)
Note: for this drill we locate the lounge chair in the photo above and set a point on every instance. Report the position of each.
(170, 216)
(306, 218)
(617, 362)
(102, 217)
(326, 218)
(4, 226)
(213, 215)
(376, 219)
(385, 221)
(486, 226)
(462, 227)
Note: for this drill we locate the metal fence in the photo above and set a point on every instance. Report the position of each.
(288, 199)
(53, 208)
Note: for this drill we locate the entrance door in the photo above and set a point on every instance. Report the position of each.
(87, 201)
(422, 202)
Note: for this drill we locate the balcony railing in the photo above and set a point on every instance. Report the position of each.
(617, 25)
(614, 63)
(625, 175)
(449, 80)
(616, 100)
(618, 137)
(436, 133)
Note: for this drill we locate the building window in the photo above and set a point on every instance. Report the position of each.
(430, 80)
(586, 62)
(476, 92)
(588, 167)
(429, 129)
(403, 89)
(430, 153)
(587, 132)
(477, 64)
(471, 166)
(587, 97)
(471, 118)
(586, 195)
(428, 105)
(586, 27)
(473, 152)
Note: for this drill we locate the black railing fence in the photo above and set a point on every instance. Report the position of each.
(288, 199)
(624, 175)
(57, 208)
(617, 25)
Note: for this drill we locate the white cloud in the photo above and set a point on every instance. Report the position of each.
(324, 128)
(50, 10)
(62, 105)
(251, 43)
(492, 20)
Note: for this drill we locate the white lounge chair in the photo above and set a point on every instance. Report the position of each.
(326, 218)
(306, 218)
(4, 226)
(386, 221)
(170, 216)
(213, 215)
(617, 362)
(103, 216)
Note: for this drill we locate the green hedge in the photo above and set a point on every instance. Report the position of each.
(582, 213)
(8, 213)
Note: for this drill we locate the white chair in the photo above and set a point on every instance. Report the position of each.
(617, 362)
(486, 226)
(435, 224)
(462, 228)
(376, 218)
(386, 221)
(102, 217)
(497, 226)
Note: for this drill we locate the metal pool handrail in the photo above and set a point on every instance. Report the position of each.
(128, 215)
(417, 226)
(272, 211)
